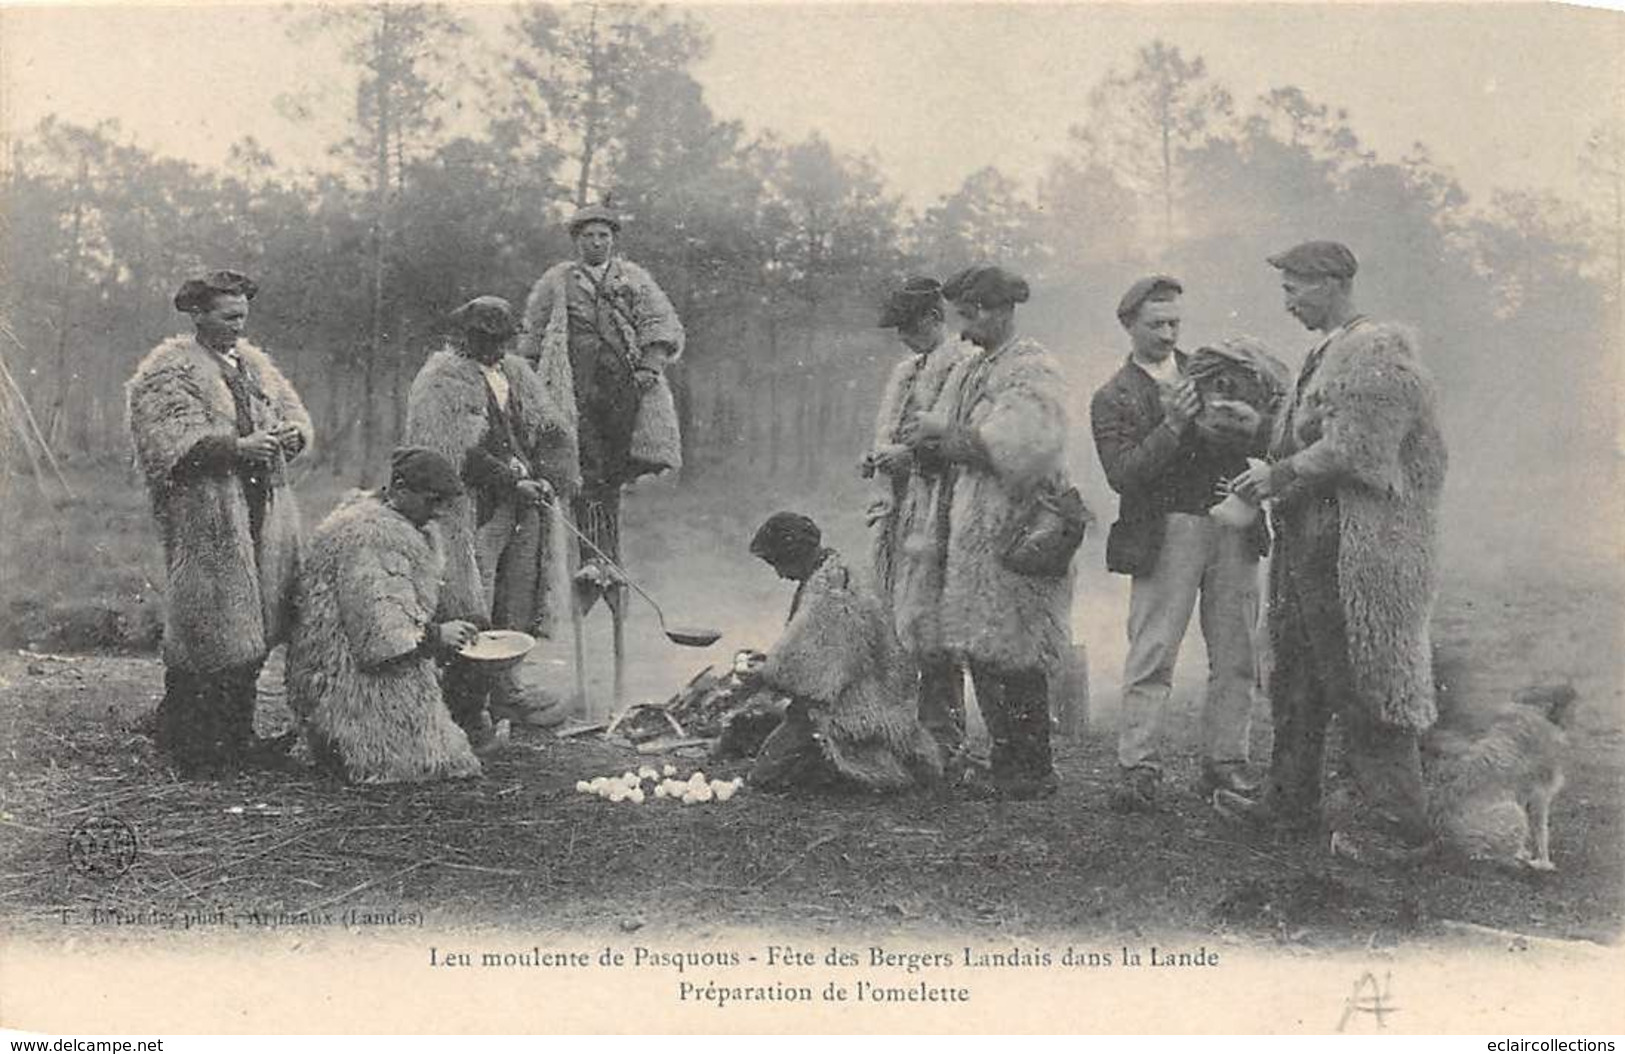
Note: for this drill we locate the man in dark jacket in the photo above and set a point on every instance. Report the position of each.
(1169, 474)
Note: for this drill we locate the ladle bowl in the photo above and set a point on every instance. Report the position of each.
(687, 636)
(692, 636)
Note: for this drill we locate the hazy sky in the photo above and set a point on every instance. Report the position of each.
(1504, 94)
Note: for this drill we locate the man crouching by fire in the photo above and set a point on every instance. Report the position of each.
(361, 665)
(851, 717)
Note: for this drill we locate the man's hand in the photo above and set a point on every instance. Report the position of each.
(1229, 423)
(653, 358)
(892, 459)
(1256, 484)
(534, 491)
(749, 675)
(455, 635)
(258, 447)
(289, 437)
(1180, 403)
(923, 429)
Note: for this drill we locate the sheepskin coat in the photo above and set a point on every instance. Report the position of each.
(586, 336)
(446, 411)
(1010, 401)
(840, 655)
(908, 578)
(368, 699)
(229, 600)
(1363, 427)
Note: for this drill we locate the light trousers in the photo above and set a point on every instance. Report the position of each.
(1211, 568)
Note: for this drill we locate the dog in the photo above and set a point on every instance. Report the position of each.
(1491, 782)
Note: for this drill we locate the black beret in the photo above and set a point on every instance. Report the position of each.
(786, 534)
(905, 306)
(197, 293)
(1154, 286)
(986, 286)
(422, 469)
(1317, 260)
(594, 214)
(486, 314)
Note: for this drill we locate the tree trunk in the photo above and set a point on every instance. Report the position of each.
(772, 394)
(1167, 180)
(380, 177)
(589, 123)
(56, 426)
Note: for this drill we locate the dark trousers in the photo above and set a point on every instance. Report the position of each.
(1313, 681)
(606, 406)
(206, 719)
(942, 703)
(792, 757)
(466, 689)
(1015, 708)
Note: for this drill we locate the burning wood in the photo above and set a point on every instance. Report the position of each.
(726, 709)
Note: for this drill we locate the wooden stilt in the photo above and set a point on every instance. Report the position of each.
(577, 620)
(616, 602)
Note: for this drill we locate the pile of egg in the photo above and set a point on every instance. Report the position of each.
(629, 786)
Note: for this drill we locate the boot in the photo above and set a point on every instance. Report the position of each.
(1226, 775)
(1031, 767)
(1136, 790)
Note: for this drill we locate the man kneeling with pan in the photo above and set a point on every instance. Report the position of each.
(851, 718)
(361, 665)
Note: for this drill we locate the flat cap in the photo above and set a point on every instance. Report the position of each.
(422, 469)
(905, 306)
(1151, 287)
(786, 534)
(196, 293)
(594, 214)
(1317, 259)
(486, 314)
(986, 285)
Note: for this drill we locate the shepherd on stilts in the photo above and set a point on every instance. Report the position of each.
(600, 327)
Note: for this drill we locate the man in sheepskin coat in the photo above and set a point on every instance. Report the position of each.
(909, 581)
(600, 327)
(361, 665)
(851, 716)
(513, 441)
(1357, 467)
(1167, 470)
(214, 424)
(1000, 438)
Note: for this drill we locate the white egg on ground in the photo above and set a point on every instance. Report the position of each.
(647, 773)
(723, 791)
(635, 797)
(660, 790)
(669, 770)
(583, 787)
